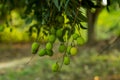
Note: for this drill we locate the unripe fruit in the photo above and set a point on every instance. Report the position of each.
(35, 47)
(68, 49)
(52, 30)
(80, 41)
(66, 60)
(49, 52)
(52, 38)
(62, 48)
(60, 19)
(73, 51)
(55, 67)
(41, 52)
(59, 33)
(75, 36)
(49, 46)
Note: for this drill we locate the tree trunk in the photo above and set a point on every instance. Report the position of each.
(91, 27)
(92, 18)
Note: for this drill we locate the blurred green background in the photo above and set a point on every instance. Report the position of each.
(89, 64)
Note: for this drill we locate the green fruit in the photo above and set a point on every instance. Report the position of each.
(66, 60)
(52, 38)
(42, 52)
(55, 67)
(59, 33)
(35, 47)
(62, 48)
(68, 49)
(80, 41)
(52, 30)
(73, 51)
(60, 19)
(49, 52)
(49, 46)
(75, 36)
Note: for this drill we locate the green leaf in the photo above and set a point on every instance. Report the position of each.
(83, 26)
(28, 20)
(82, 17)
(66, 4)
(1, 28)
(56, 2)
(62, 2)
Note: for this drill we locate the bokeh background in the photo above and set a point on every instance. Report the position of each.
(95, 62)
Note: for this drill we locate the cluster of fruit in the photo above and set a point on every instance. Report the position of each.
(48, 50)
(68, 48)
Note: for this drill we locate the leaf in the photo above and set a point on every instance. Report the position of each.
(28, 20)
(56, 2)
(67, 29)
(31, 29)
(11, 29)
(1, 28)
(66, 4)
(83, 26)
(45, 33)
(61, 2)
(72, 31)
(64, 31)
(61, 39)
(82, 17)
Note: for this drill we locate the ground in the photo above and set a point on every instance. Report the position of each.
(15, 56)
(14, 51)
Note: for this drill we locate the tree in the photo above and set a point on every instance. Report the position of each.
(53, 12)
(61, 19)
(92, 16)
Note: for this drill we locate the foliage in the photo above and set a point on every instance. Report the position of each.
(66, 14)
(110, 22)
(53, 13)
(61, 18)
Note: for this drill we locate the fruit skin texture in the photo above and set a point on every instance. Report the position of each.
(42, 52)
(62, 48)
(66, 60)
(49, 52)
(73, 51)
(52, 38)
(59, 33)
(35, 47)
(55, 67)
(60, 19)
(49, 46)
(80, 40)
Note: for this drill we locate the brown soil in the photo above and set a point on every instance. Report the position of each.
(14, 51)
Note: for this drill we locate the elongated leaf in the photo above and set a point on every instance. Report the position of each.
(82, 17)
(28, 20)
(66, 4)
(1, 28)
(83, 26)
(56, 2)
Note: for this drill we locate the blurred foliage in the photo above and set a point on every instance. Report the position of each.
(30, 19)
(47, 14)
(108, 24)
